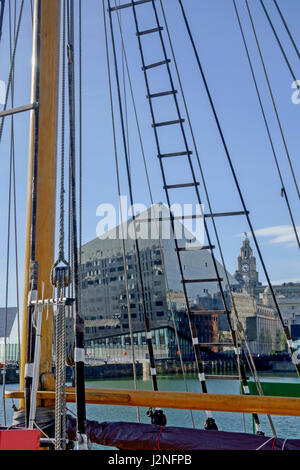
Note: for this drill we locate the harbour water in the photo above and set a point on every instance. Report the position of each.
(286, 427)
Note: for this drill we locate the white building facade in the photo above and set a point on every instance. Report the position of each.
(9, 347)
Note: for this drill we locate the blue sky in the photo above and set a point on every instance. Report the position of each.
(221, 51)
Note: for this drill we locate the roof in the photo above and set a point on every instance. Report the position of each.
(149, 224)
(11, 316)
(199, 310)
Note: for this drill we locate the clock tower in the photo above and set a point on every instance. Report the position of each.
(246, 273)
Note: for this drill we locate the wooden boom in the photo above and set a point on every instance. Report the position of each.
(182, 400)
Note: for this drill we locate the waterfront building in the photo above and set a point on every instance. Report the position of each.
(214, 302)
(104, 298)
(9, 322)
(260, 322)
(246, 273)
(287, 294)
(288, 298)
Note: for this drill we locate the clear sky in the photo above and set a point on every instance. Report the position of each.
(222, 53)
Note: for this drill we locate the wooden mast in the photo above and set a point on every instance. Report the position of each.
(42, 142)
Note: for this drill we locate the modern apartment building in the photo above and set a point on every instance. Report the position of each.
(104, 297)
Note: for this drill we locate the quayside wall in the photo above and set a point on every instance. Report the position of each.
(163, 367)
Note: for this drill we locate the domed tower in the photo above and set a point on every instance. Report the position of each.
(246, 273)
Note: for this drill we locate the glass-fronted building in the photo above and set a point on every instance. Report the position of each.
(104, 297)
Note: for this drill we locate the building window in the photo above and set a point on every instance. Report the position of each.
(161, 339)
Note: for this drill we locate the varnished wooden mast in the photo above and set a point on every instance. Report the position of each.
(45, 74)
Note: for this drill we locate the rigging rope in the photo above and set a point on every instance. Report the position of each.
(234, 334)
(33, 267)
(71, 310)
(79, 321)
(283, 188)
(80, 150)
(119, 194)
(60, 278)
(273, 100)
(152, 203)
(12, 64)
(279, 43)
(31, 10)
(287, 29)
(241, 368)
(11, 197)
(210, 423)
(2, 8)
(61, 248)
(119, 15)
(60, 364)
(121, 215)
(61, 245)
(15, 222)
(290, 343)
(146, 316)
(11, 182)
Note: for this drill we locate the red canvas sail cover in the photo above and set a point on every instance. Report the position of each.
(19, 439)
(137, 436)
